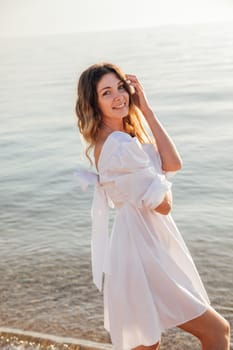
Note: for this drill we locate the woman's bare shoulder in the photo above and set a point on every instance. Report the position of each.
(98, 148)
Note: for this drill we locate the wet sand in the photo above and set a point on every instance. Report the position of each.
(56, 295)
(26, 340)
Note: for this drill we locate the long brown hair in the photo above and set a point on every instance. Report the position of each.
(88, 112)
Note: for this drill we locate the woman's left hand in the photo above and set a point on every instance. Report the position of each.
(139, 97)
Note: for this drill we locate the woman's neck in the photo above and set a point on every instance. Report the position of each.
(110, 127)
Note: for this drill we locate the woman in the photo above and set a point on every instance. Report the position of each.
(150, 280)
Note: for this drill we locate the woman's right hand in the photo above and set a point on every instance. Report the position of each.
(139, 96)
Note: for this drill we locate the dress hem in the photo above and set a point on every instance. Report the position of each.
(193, 317)
(157, 339)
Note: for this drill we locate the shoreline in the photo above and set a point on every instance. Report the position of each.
(18, 339)
(13, 335)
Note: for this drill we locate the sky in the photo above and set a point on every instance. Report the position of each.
(41, 17)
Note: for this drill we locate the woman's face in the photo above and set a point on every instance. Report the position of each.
(113, 99)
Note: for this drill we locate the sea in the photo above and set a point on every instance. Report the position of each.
(45, 224)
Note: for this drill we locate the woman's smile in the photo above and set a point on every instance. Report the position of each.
(120, 106)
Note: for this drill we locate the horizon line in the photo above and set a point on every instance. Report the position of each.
(122, 29)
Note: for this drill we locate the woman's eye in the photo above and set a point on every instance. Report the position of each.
(106, 93)
(121, 87)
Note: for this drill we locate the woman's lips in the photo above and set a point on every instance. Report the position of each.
(120, 106)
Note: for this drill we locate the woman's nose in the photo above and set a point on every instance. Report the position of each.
(117, 96)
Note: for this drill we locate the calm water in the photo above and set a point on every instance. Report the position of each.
(187, 71)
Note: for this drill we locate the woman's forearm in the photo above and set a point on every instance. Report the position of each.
(170, 157)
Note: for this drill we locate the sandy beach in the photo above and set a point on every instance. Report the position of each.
(23, 340)
(28, 340)
(57, 297)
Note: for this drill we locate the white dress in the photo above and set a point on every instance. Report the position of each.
(150, 280)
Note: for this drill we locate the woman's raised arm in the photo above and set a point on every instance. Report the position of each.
(170, 157)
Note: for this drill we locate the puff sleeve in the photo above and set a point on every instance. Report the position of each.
(134, 175)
